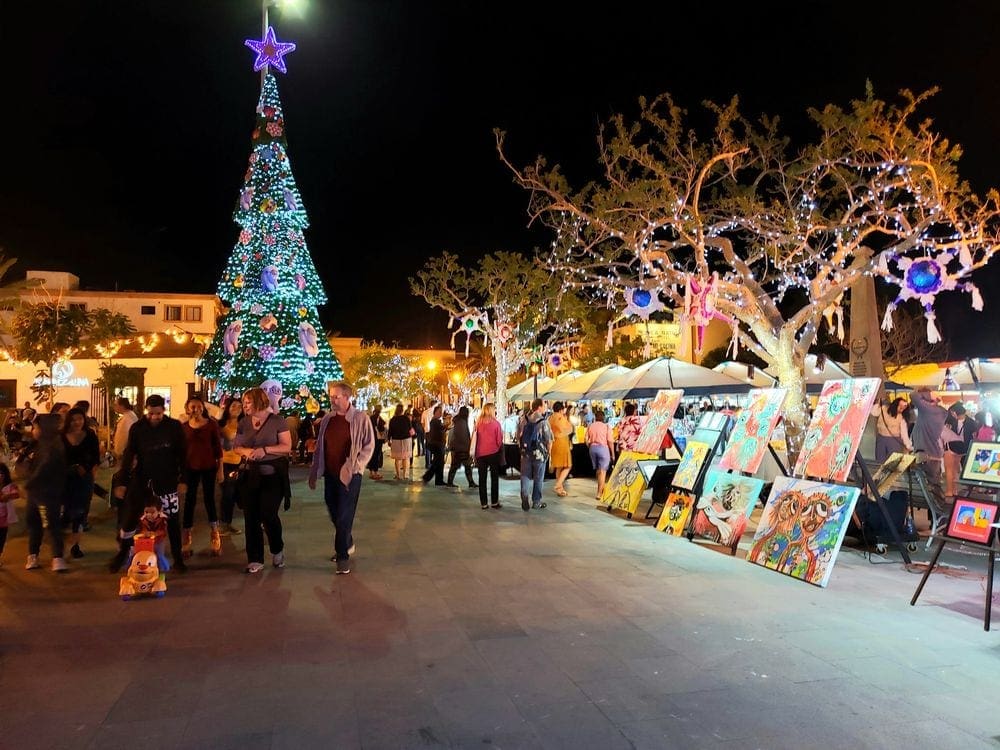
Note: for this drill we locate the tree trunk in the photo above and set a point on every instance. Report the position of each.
(790, 364)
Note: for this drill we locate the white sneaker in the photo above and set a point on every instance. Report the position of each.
(255, 567)
(59, 565)
(32, 563)
(278, 560)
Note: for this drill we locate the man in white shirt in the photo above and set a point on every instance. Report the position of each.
(126, 418)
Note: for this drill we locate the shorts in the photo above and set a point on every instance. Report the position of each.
(600, 457)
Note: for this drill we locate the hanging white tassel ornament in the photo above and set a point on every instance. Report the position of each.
(933, 336)
(977, 298)
(964, 255)
(609, 342)
(682, 347)
(882, 266)
(887, 318)
(840, 324)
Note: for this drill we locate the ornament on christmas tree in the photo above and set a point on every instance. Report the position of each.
(270, 51)
(269, 279)
(472, 322)
(268, 206)
(231, 340)
(307, 339)
(304, 390)
(312, 405)
(300, 282)
(268, 323)
(238, 281)
(923, 279)
(273, 390)
(246, 198)
(290, 203)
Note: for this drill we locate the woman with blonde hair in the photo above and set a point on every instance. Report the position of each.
(488, 439)
(262, 439)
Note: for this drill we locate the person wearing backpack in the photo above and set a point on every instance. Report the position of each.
(534, 437)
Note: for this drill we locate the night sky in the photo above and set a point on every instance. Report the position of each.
(128, 124)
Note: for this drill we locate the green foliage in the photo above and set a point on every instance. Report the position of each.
(106, 327)
(384, 375)
(44, 333)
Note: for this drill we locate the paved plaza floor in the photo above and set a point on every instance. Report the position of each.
(567, 627)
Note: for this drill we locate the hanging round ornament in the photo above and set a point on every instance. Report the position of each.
(312, 405)
(269, 279)
(505, 332)
(268, 206)
(923, 279)
(307, 339)
(268, 323)
(642, 302)
(470, 323)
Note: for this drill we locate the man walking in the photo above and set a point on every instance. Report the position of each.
(126, 418)
(345, 442)
(154, 460)
(434, 446)
(535, 440)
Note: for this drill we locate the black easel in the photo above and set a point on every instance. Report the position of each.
(867, 481)
(991, 560)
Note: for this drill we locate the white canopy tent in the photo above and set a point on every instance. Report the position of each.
(666, 372)
(574, 389)
(740, 371)
(526, 391)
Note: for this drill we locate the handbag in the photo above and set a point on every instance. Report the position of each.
(247, 475)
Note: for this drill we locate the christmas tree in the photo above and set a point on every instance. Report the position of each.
(271, 335)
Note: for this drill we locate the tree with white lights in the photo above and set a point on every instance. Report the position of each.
(741, 227)
(516, 306)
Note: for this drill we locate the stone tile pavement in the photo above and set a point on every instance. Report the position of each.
(563, 628)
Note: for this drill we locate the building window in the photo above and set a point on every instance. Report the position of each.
(82, 306)
(171, 312)
(192, 312)
(147, 310)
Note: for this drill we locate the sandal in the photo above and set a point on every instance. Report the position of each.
(561, 492)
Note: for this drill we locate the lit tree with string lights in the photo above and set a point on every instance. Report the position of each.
(384, 375)
(742, 228)
(271, 335)
(514, 304)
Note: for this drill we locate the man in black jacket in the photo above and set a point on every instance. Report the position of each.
(154, 461)
(434, 445)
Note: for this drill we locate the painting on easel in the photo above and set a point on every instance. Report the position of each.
(659, 417)
(802, 528)
(835, 430)
(725, 505)
(626, 483)
(752, 431)
(676, 511)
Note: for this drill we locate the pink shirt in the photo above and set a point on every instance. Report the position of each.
(489, 437)
(599, 433)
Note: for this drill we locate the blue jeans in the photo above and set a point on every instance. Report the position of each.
(533, 474)
(342, 503)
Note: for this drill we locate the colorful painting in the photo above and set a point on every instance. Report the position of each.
(752, 431)
(626, 483)
(659, 415)
(891, 470)
(834, 433)
(802, 528)
(971, 521)
(725, 505)
(982, 464)
(690, 467)
(676, 511)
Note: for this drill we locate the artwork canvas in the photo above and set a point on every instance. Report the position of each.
(687, 472)
(971, 521)
(676, 511)
(802, 528)
(750, 435)
(626, 484)
(982, 463)
(659, 416)
(891, 470)
(835, 431)
(725, 505)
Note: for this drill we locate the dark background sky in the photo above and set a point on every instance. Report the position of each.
(128, 124)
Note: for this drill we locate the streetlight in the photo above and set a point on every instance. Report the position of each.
(535, 367)
(265, 25)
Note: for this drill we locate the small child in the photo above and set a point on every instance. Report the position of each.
(154, 523)
(8, 494)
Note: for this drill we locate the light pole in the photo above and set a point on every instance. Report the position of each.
(535, 367)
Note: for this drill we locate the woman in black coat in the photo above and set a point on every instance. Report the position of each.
(46, 484)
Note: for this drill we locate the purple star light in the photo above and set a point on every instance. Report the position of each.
(270, 51)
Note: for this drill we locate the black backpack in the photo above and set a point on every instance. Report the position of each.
(529, 437)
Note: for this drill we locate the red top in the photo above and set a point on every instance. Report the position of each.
(204, 445)
(336, 444)
(489, 437)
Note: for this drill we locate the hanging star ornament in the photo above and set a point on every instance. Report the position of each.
(270, 51)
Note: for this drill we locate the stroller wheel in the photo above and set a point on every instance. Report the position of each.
(880, 548)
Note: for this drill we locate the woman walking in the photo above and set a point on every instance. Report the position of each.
(892, 432)
(262, 438)
(47, 469)
(378, 427)
(602, 448)
(460, 443)
(204, 453)
(83, 454)
(560, 457)
(232, 415)
(489, 454)
(400, 441)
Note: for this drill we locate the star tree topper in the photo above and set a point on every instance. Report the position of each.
(270, 51)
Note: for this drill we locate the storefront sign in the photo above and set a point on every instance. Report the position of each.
(62, 377)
